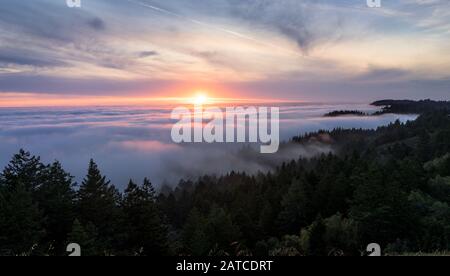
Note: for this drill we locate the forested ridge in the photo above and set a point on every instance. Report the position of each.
(411, 107)
(390, 186)
(338, 113)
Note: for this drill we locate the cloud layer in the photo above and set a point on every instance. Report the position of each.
(135, 141)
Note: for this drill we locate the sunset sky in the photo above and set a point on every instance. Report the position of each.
(124, 51)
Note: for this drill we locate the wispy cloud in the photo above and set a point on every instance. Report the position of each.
(105, 46)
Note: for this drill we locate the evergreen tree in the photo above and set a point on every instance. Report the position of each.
(296, 207)
(194, 234)
(21, 228)
(55, 197)
(220, 230)
(20, 222)
(25, 169)
(97, 203)
(381, 208)
(146, 233)
(424, 147)
(84, 236)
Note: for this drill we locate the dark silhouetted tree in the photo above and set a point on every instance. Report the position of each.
(146, 233)
(86, 237)
(55, 197)
(21, 228)
(97, 203)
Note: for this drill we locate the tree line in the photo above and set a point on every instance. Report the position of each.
(41, 212)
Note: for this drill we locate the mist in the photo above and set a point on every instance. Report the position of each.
(134, 142)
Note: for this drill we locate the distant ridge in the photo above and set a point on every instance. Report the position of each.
(397, 107)
(338, 113)
(411, 107)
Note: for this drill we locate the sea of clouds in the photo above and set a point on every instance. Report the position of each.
(135, 142)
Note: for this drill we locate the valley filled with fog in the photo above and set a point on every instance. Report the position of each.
(134, 141)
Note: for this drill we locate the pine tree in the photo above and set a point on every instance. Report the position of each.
(20, 222)
(21, 228)
(296, 207)
(221, 231)
(194, 236)
(23, 168)
(97, 203)
(424, 146)
(55, 197)
(380, 207)
(146, 233)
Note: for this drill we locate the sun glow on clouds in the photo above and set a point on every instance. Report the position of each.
(199, 97)
(133, 52)
(44, 100)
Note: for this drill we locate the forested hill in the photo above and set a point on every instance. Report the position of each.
(411, 107)
(338, 113)
(390, 186)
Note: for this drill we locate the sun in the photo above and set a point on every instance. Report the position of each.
(200, 99)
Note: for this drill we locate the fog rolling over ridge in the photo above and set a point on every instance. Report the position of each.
(135, 141)
(217, 159)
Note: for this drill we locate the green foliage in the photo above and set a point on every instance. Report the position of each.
(214, 234)
(312, 238)
(341, 235)
(84, 236)
(55, 198)
(296, 206)
(290, 246)
(194, 234)
(41, 213)
(20, 219)
(143, 223)
(380, 207)
(433, 228)
(97, 203)
(439, 188)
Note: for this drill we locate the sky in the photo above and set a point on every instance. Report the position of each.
(116, 51)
